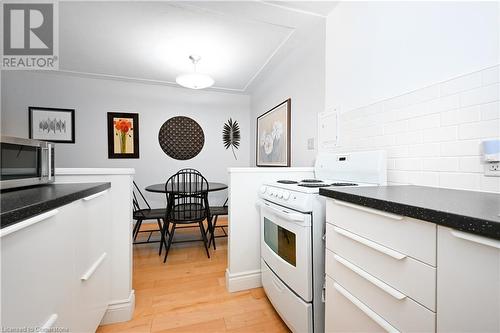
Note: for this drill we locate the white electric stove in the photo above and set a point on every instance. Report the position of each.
(292, 230)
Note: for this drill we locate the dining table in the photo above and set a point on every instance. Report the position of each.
(160, 188)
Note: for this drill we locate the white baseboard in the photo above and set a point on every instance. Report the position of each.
(243, 281)
(119, 311)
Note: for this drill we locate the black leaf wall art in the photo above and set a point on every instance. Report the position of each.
(231, 135)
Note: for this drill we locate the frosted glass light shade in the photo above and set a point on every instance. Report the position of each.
(195, 81)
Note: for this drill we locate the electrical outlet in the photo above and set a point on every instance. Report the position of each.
(492, 169)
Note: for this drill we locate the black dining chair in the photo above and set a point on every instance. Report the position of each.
(187, 203)
(141, 213)
(215, 212)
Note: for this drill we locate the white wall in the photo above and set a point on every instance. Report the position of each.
(93, 98)
(421, 81)
(299, 77)
(377, 50)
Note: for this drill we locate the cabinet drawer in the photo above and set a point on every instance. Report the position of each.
(404, 234)
(413, 278)
(395, 307)
(345, 313)
(293, 310)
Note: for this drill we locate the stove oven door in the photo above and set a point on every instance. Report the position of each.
(286, 247)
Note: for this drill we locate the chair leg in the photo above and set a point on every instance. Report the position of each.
(164, 235)
(205, 240)
(137, 228)
(212, 237)
(167, 247)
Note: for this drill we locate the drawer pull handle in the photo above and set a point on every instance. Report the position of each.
(49, 323)
(377, 247)
(382, 285)
(93, 268)
(26, 223)
(369, 210)
(369, 312)
(93, 196)
(476, 239)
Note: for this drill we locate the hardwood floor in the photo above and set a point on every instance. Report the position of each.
(188, 293)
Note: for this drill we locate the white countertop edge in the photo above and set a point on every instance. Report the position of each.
(270, 170)
(95, 171)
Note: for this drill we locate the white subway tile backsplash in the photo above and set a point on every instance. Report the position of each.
(490, 111)
(397, 177)
(398, 151)
(396, 127)
(481, 129)
(460, 148)
(432, 135)
(424, 122)
(490, 184)
(410, 164)
(462, 181)
(440, 134)
(422, 95)
(424, 150)
(461, 83)
(459, 116)
(491, 75)
(409, 138)
(470, 164)
(481, 95)
(449, 164)
(423, 178)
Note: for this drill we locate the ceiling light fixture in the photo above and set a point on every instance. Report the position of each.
(195, 80)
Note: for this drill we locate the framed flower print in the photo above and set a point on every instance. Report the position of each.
(123, 135)
(273, 136)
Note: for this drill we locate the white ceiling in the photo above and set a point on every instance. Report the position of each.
(320, 8)
(151, 41)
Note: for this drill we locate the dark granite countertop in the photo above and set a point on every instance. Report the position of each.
(469, 211)
(19, 204)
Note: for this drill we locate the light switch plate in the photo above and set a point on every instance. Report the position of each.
(310, 144)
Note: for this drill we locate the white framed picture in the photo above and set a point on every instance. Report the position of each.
(273, 136)
(51, 124)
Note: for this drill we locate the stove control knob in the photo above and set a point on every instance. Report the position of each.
(286, 195)
(271, 192)
(263, 189)
(280, 194)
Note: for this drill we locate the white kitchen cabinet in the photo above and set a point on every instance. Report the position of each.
(93, 267)
(345, 313)
(381, 273)
(468, 282)
(37, 279)
(44, 262)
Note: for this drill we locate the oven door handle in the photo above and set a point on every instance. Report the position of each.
(296, 217)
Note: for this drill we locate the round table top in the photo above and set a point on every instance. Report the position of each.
(160, 188)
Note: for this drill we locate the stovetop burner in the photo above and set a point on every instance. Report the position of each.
(344, 184)
(311, 181)
(313, 185)
(285, 181)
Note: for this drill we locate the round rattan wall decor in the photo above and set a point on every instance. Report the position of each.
(181, 138)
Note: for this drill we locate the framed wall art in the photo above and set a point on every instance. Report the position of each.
(273, 136)
(52, 124)
(123, 135)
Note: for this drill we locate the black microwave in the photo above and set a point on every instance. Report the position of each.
(25, 162)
